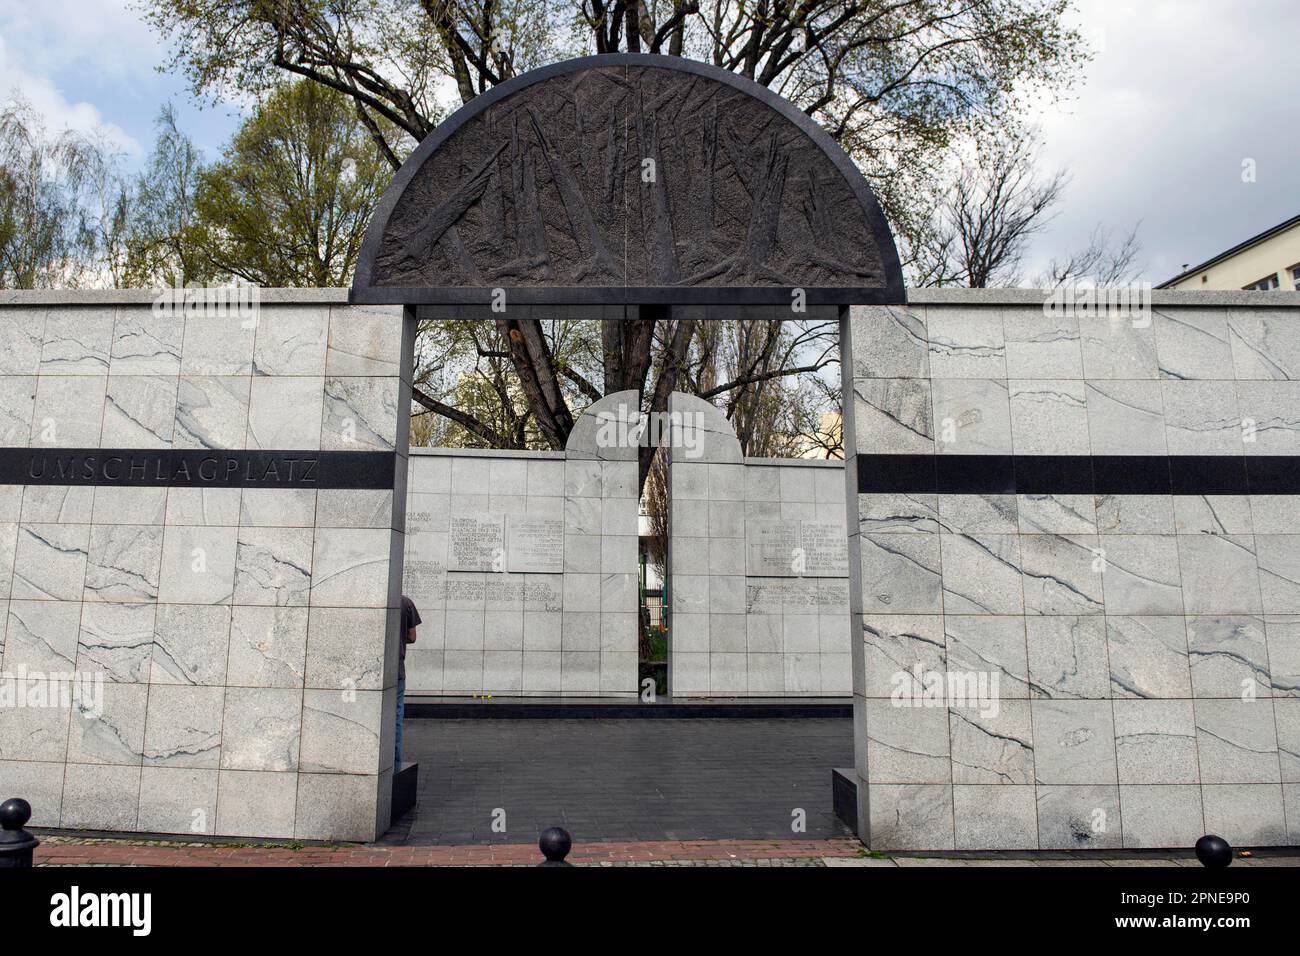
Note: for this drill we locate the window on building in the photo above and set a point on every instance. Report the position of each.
(1264, 285)
(1295, 276)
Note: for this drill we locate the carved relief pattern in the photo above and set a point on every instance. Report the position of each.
(628, 176)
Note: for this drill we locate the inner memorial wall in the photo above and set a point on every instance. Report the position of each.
(757, 567)
(524, 565)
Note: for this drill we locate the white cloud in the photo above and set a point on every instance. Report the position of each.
(1177, 96)
(56, 110)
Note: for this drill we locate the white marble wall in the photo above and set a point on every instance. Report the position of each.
(569, 632)
(246, 637)
(736, 631)
(1146, 698)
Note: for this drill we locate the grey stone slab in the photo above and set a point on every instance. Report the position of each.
(109, 729)
(138, 506)
(1079, 818)
(42, 784)
(966, 343)
(1155, 742)
(901, 574)
(1135, 514)
(1067, 657)
(17, 401)
(365, 340)
(1049, 417)
(1126, 418)
(198, 565)
(273, 566)
(893, 416)
(139, 411)
(1213, 514)
(335, 807)
(972, 417)
(1042, 346)
(888, 342)
(1237, 741)
(908, 816)
(197, 506)
(1229, 656)
(995, 817)
(178, 800)
(261, 729)
(275, 507)
(285, 412)
(77, 342)
(100, 797)
(1148, 656)
(360, 413)
(1141, 574)
(184, 727)
(68, 411)
(1062, 574)
(22, 332)
(992, 749)
(1219, 574)
(218, 345)
(57, 504)
(1245, 815)
(1265, 345)
(211, 412)
(1192, 344)
(982, 574)
(1269, 421)
(1074, 742)
(1275, 514)
(898, 512)
(290, 341)
(992, 647)
(1162, 816)
(1056, 514)
(907, 744)
(50, 562)
(1202, 418)
(267, 646)
(340, 731)
(1279, 572)
(1118, 347)
(190, 644)
(977, 514)
(350, 567)
(1284, 654)
(1286, 714)
(256, 804)
(123, 563)
(116, 640)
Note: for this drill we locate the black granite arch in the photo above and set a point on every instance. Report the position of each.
(628, 179)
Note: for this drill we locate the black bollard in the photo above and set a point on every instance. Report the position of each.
(555, 844)
(16, 844)
(1213, 851)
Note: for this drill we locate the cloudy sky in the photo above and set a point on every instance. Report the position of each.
(1180, 93)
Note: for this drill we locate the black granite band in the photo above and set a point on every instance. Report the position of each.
(197, 468)
(1079, 474)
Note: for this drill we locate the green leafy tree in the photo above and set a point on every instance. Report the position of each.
(288, 202)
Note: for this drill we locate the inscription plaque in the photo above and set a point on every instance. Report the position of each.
(476, 542)
(535, 544)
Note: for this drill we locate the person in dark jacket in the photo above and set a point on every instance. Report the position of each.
(410, 620)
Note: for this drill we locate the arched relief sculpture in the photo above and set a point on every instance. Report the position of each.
(629, 179)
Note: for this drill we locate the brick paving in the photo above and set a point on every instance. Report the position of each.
(74, 851)
(621, 779)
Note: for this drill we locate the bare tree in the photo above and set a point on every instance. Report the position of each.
(996, 202)
(1107, 260)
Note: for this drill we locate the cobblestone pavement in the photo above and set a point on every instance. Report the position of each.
(77, 851)
(621, 779)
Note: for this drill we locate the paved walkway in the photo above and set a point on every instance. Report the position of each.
(72, 851)
(607, 780)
